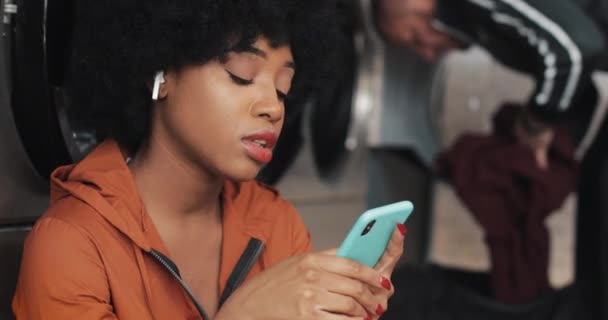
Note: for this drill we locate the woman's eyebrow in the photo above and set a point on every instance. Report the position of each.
(262, 54)
(256, 51)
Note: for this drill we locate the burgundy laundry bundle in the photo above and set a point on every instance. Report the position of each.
(510, 197)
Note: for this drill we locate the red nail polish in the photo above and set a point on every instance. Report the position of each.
(369, 315)
(379, 310)
(402, 228)
(386, 283)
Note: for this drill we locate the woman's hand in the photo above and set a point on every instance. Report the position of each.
(317, 286)
(386, 265)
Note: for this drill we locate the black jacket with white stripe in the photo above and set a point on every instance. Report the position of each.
(554, 41)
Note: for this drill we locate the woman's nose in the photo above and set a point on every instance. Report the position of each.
(271, 108)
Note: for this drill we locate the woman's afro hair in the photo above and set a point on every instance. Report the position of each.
(118, 45)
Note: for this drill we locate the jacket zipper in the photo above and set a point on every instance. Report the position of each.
(170, 266)
(236, 278)
(242, 268)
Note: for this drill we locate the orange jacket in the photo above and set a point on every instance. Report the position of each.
(95, 254)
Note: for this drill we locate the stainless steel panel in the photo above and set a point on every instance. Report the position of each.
(11, 243)
(23, 193)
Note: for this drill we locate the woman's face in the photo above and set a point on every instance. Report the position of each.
(224, 117)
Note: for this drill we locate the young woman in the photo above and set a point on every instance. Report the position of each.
(163, 220)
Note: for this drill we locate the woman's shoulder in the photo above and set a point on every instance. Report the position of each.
(61, 233)
(69, 213)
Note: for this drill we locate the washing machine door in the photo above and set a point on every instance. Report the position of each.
(32, 142)
(382, 98)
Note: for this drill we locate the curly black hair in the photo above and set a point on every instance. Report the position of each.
(118, 45)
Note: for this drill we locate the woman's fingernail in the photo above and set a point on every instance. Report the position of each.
(379, 310)
(402, 228)
(386, 283)
(369, 316)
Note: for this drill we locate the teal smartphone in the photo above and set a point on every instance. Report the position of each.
(368, 238)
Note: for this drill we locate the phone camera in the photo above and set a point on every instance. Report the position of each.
(368, 228)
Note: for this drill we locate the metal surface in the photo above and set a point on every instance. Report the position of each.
(368, 84)
(39, 55)
(23, 193)
(404, 119)
(11, 242)
(393, 96)
(10, 9)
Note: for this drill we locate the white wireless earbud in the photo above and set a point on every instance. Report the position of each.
(158, 79)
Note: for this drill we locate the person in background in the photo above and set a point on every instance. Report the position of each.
(163, 220)
(557, 42)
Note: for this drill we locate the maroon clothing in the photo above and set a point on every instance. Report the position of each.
(510, 197)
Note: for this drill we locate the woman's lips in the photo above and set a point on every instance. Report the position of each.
(259, 145)
(258, 153)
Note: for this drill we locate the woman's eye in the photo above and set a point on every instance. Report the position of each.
(282, 96)
(238, 80)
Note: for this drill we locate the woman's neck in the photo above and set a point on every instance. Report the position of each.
(172, 187)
